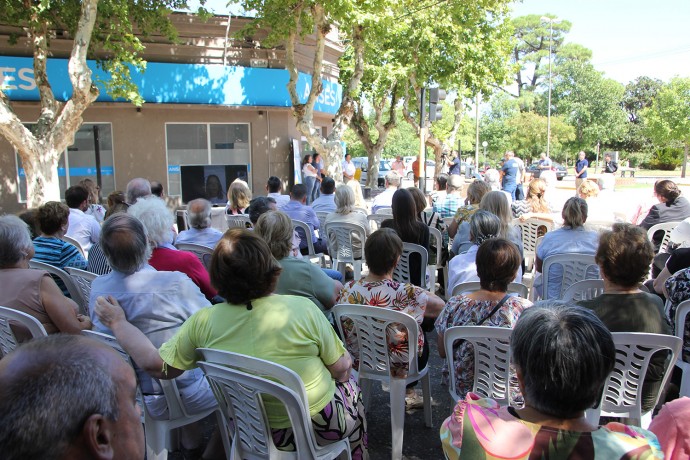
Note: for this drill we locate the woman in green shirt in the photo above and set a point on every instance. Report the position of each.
(287, 330)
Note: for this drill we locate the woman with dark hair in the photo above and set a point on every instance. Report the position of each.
(623, 256)
(409, 227)
(382, 251)
(214, 190)
(309, 177)
(498, 261)
(246, 273)
(317, 164)
(562, 356)
(671, 208)
(572, 238)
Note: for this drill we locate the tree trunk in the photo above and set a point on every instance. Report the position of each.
(685, 160)
(40, 168)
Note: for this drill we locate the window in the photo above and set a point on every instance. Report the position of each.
(205, 144)
(79, 161)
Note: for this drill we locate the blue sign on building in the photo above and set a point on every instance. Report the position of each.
(168, 83)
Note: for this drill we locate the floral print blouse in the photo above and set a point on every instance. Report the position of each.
(463, 311)
(396, 296)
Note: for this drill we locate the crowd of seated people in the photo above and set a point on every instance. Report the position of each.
(158, 302)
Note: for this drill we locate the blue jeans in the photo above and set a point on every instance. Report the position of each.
(510, 188)
(309, 184)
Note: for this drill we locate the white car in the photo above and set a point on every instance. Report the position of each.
(363, 164)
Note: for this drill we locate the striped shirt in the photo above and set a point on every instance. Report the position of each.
(98, 264)
(58, 253)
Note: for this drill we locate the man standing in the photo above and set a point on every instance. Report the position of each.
(399, 166)
(453, 199)
(298, 210)
(416, 172)
(348, 168)
(610, 166)
(580, 170)
(454, 163)
(326, 202)
(509, 174)
(82, 227)
(544, 162)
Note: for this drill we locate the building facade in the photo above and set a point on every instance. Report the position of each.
(210, 100)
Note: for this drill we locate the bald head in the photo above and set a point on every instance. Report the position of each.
(199, 212)
(60, 397)
(137, 188)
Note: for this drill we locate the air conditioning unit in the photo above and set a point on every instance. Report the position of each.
(263, 63)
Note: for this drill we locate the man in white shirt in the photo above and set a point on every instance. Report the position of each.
(82, 227)
(274, 187)
(326, 202)
(385, 198)
(348, 168)
(200, 232)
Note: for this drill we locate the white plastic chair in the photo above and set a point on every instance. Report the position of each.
(471, 286)
(342, 253)
(321, 215)
(584, 290)
(370, 324)
(599, 225)
(576, 267)
(386, 211)
(74, 290)
(438, 263)
(83, 280)
(375, 220)
(401, 272)
(183, 217)
(157, 431)
(622, 395)
(8, 341)
(666, 227)
(75, 243)
(238, 221)
(203, 253)
(238, 382)
(310, 244)
(681, 331)
(491, 360)
(530, 233)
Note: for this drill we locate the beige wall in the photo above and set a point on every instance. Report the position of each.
(139, 141)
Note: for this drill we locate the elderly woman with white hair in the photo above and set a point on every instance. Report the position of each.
(158, 222)
(31, 291)
(345, 213)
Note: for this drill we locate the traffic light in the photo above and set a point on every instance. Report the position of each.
(436, 95)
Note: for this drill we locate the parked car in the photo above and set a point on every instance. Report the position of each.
(430, 167)
(363, 164)
(558, 168)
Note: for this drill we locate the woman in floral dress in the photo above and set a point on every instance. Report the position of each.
(498, 261)
(382, 251)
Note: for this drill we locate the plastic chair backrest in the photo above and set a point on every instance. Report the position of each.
(386, 210)
(8, 341)
(238, 221)
(491, 360)
(343, 231)
(74, 290)
(182, 217)
(576, 267)
(518, 288)
(321, 215)
(584, 290)
(438, 242)
(599, 225)
(238, 382)
(376, 219)
(83, 280)
(666, 227)
(75, 243)
(371, 326)
(682, 330)
(623, 388)
(530, 232)
(298, 224)
(401, 272)
(203, 253)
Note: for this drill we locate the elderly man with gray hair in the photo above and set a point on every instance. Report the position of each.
(157, 303)
(453, 199)
(385, 198)
(68, 397)
(201, 232)
(137, 188)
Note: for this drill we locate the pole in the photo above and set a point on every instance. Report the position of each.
(97, 153)
(422, 141)
(476, 130)
(548, 117)
(596, 166)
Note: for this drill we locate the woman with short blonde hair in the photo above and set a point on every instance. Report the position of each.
(239, 197)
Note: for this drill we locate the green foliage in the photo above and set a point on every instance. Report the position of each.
(666, 159)
(668, 118)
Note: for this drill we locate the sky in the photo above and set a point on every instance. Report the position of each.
(628, 38)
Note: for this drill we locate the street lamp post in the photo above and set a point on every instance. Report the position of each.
(485, 145)
(548, 116)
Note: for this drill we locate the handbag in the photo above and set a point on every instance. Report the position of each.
(493, 310)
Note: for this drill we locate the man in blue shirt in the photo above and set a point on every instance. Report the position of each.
(509, 174)
(580, 170)
(454, 163)
(298, 210)
(544, 162)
